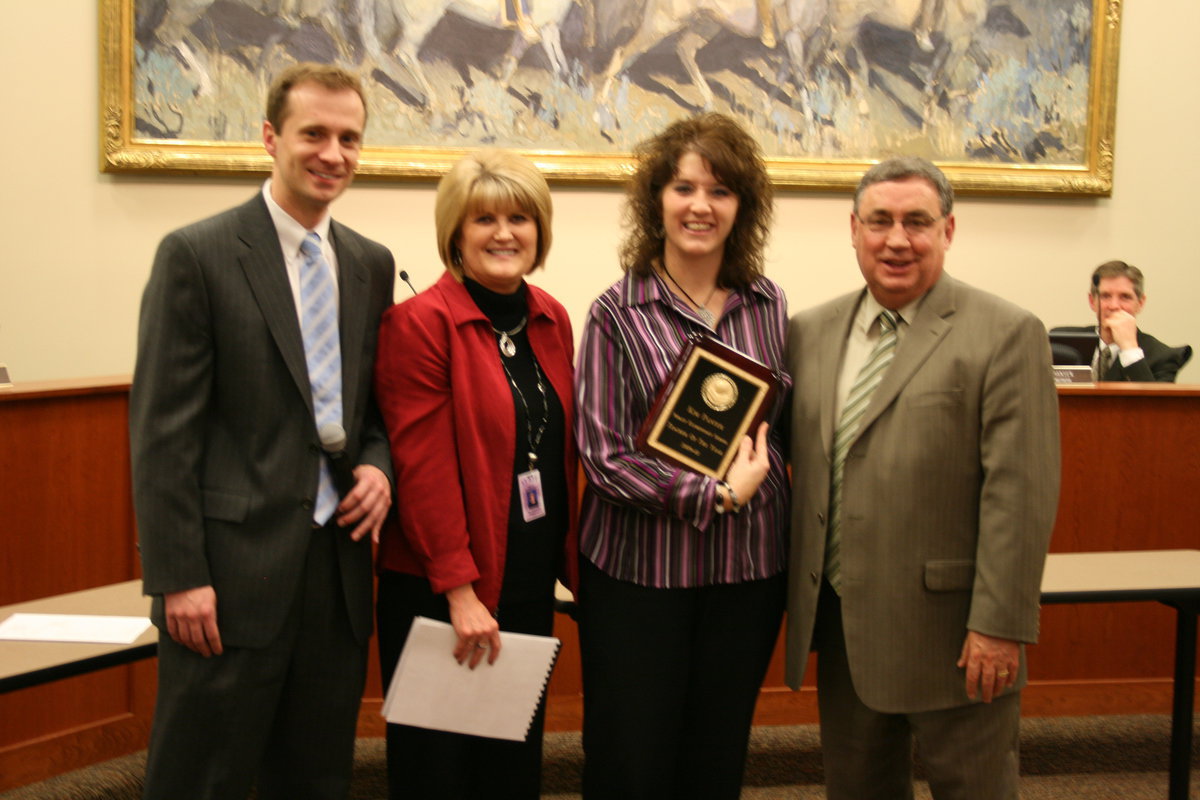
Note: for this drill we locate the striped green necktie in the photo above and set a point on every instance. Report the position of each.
(1105, 363)
(852, 413)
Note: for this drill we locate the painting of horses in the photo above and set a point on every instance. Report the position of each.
(1010, 96)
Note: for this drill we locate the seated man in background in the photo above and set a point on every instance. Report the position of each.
(1125, 353)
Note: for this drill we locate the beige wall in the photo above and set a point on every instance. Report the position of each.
(78, 244)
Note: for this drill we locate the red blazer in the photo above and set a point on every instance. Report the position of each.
(452, 426)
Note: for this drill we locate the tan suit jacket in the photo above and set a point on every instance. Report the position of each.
(950, 492)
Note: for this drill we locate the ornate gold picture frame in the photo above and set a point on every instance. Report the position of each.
(1008, 96)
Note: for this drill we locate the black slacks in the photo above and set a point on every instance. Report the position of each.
(670, 679)
(436, 765)
(283, 715)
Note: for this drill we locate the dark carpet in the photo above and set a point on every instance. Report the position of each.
(1119, 757)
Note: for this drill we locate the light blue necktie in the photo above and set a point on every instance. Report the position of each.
(323, 353)
(852, 413)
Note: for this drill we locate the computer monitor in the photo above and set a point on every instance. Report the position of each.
(1069, 348)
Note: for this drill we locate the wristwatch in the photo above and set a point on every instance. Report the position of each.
(733, 499)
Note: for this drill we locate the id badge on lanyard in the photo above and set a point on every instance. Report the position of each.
(529, 484)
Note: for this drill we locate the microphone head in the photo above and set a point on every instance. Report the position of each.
(333, 437)
(404, 277)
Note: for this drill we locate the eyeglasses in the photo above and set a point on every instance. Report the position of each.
(913, 224)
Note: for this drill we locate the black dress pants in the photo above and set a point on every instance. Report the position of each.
(282, 716)
(670, 680)
(436, 765)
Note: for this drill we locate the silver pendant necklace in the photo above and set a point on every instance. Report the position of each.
(508, 348)
(702, 311)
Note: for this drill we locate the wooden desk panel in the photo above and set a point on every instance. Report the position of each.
(65, 497)
(1131, 468)
(1130, 481)
(68, 525)
(67, 513)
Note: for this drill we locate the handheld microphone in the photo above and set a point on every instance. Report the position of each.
(333, 442)
(404, 277)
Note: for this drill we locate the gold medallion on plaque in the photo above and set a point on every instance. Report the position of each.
(719, 391)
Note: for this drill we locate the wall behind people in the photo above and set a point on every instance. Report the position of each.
(79, 243)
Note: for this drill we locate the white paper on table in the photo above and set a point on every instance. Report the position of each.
(431, 690)
(89, 628)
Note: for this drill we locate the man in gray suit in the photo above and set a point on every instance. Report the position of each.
(926, 471)
(260, 568)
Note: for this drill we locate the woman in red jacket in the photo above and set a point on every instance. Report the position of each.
(474, 381)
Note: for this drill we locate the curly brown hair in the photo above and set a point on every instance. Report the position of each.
(735, 160)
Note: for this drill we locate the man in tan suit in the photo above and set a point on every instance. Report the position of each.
(926, 470)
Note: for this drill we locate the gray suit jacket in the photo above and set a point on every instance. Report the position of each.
(950, 492)
(225, 450)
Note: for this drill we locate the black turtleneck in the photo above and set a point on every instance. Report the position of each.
(534, 548)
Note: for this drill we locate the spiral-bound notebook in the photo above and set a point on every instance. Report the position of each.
(431, 690)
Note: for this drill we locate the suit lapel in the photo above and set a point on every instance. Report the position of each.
(927, 331)
(353, 288)
(262, 262)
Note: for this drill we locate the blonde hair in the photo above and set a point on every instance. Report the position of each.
(490, 179)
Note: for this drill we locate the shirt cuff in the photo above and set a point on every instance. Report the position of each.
(1132, 356)
(693, 497)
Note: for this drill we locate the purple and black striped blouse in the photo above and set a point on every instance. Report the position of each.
(645, 520)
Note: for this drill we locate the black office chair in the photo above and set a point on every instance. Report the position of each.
(1070, 346)
(1183, 353)
(1063, 355)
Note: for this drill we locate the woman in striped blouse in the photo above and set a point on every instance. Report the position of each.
(682, 576)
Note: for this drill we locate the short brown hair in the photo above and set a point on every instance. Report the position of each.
(735, 159)
(904, 168)
(1119, 269)
(329, 76)
(490, 179)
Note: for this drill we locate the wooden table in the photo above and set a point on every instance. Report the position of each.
(24, 664)
(1166, 576)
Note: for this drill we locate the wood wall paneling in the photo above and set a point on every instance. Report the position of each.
(67, 524)
(1131, 480)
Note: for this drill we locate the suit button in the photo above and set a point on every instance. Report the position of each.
(815, 578)
(821, 517)
(307, 505)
